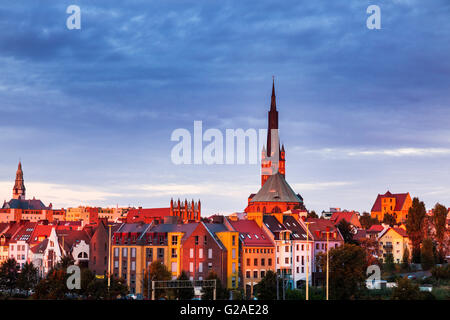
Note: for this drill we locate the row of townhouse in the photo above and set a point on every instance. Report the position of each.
(239, 251)
(196, 248)
(43, 244)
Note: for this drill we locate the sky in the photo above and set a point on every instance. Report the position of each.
(90, 112)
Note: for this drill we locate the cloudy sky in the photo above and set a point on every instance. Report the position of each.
(90, 112)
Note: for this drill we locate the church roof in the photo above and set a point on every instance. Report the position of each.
(400, 199)
(33, 204)
(276, 189)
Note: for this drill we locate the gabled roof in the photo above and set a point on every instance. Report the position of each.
(186, 228)
(298, 233)
(40, 247)
(41, 230)
(24, 233)
(399, 231)
(399, 200)
(319, 227)
(251, 234)
(70, 238)
(273, 224)
(376, 228)
(276, 189)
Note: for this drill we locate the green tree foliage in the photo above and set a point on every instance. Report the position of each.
(266, 289)
(221, 291)
(28, 277)
(390, 219)
(185, 293)
(347, 271)
(406, 290)
(156, 272)
(439, 223)
(9, 275)
(367, 221)
(345, 228)
(405, 259)
(389, 265)
(441, 273)
(426, 254)
(312, 214)
(414, 227)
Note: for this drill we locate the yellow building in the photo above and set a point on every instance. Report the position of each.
(394, 204)
(230, 239)
(395, 241)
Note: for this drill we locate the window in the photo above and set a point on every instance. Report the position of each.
(286, 248)
(196, 240)
(286, 260)
(160, 253)
(269, 262)
(200, 267)
(233, 253)
(191, 267)
(191, 253)
(116, 264)
(248, 262)
(255, 262)
(255, 274)
(174, 253)
(209, 266)
(263, 262)
(233, 267)
(263, 273)
(210, 252)
(133, 265)
(205, 240)
(247, 274)
(233, 239)
(116, 252)
(200, 253)
(124, 252)
(149, 253)
(174, 240)
(133, 252)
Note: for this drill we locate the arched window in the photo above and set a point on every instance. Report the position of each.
(82, 255)
(276, 210)
(264, 209)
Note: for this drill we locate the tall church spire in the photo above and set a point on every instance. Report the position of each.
(19, 186)
(272, 121)
(273, 102)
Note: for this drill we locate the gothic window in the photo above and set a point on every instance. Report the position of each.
(276, 210)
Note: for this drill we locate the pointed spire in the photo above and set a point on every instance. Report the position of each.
(273, 103)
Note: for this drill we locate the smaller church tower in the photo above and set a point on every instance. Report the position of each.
(19, 186)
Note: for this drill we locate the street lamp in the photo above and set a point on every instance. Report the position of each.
(328, 274)
(307, 260)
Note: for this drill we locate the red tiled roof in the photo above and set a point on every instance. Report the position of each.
(41, 230)
(399, 201)
(318, 228)
(140, 213)
(376, 228)
(338, 216)
(251, 234)
(400, 231)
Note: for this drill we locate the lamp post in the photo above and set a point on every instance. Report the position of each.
(307, 259)
(109, 256)
(328, 273)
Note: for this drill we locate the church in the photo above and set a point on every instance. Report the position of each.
(275, 195)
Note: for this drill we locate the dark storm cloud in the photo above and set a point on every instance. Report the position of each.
(139, 69)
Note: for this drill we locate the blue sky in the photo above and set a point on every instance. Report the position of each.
(90, 112)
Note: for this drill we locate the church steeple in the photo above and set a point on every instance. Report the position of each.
(19, 186)
(273, 157)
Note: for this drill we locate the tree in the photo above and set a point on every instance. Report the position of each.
(405, 290)
(9, 275)
(345, 228)
(389, 265)
(414, 227)
(157, 272)
(439, 222)
(28, 277)
(367, 221)
(371, 247)
(427, 256)
(312, 214)
(221, 292)
(266, 289)
(405, 259)
(390, 219)
(185, 293)
(347, 271)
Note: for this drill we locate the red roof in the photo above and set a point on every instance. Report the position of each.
(400, 231)
(318, 228)
(135, 215)
(338, 216)
(41, 230)
(376, 228)
(251, 234)
(399, 200)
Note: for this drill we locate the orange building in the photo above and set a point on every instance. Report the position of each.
(395, 204)
(257, 253)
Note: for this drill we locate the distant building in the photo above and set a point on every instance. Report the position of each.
(328, 214)
(394, 241)
(395, 204)
(352, 217)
